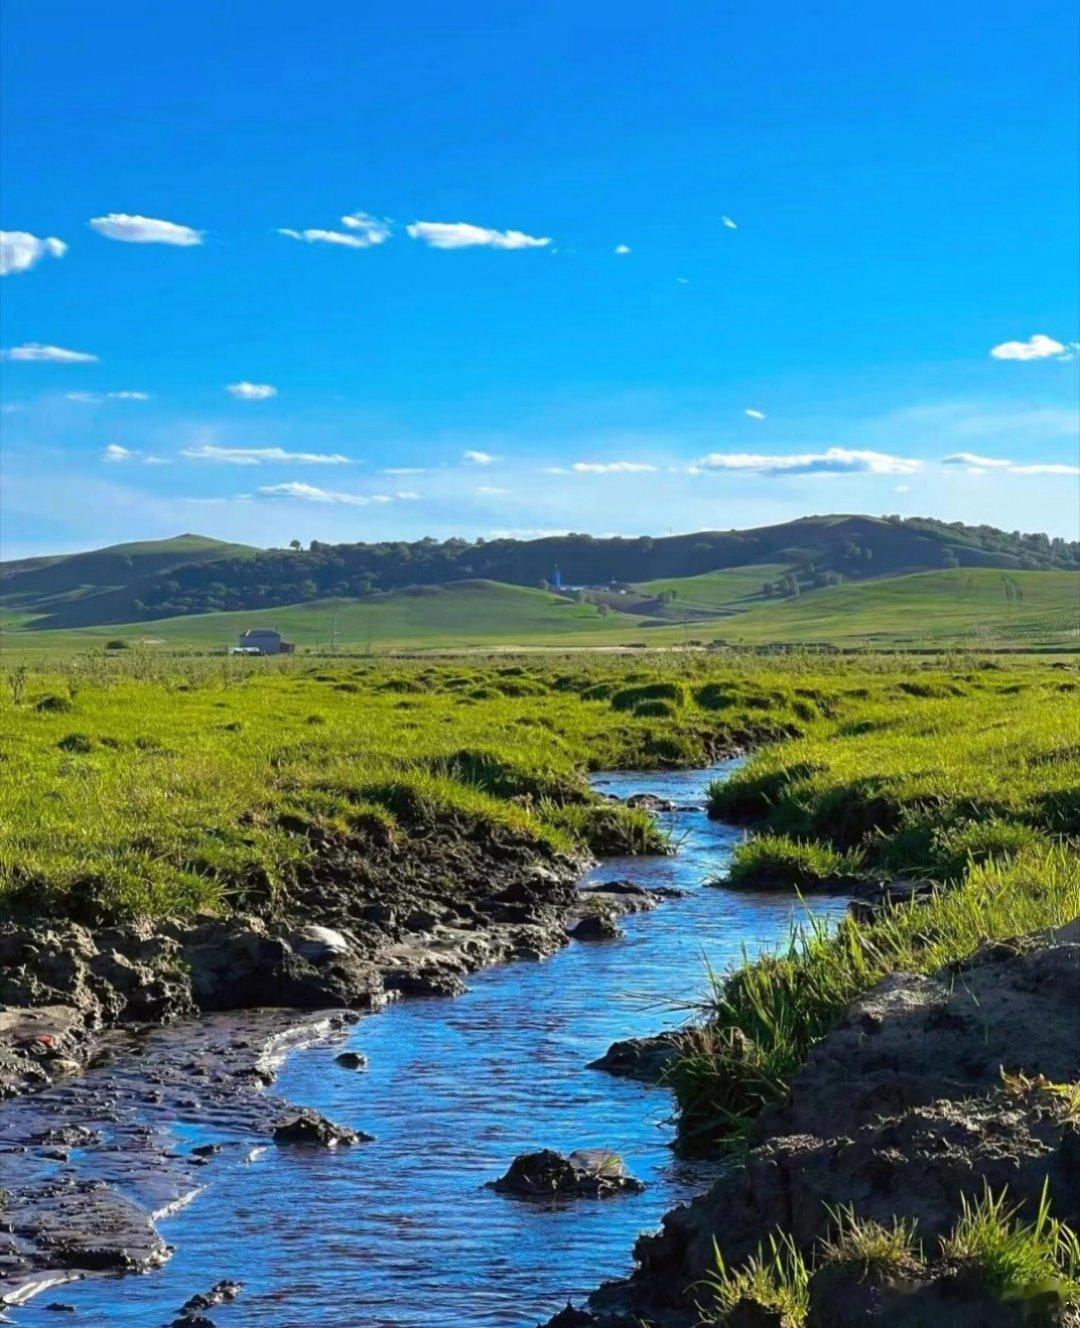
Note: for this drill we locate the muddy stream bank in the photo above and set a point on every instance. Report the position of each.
(169, 1131)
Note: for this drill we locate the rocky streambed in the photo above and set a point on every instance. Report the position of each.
(161, 1154)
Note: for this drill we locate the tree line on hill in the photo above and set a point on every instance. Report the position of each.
(820, 551)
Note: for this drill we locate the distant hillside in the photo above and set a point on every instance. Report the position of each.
(191, 575)
(975, 608)
(79, 589)
(964, 607)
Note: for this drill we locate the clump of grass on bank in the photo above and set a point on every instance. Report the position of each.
(775, 860)
(1016, 1260)
(1013, 1259)
(776, 1279)
(759, 1023)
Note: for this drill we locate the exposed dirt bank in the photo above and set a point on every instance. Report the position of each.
(361, 924)
(915, 1100)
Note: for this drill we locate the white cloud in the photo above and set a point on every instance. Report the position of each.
(973, 459)
(404, 470)
(1044, 468)
(612, 467)
(93, 398)
(833, 461)
(527, 534)
(731, 225)
(257, 456)
(683, 281)
(490, 489)
(310, 494)
(1038, 347)
(327, 237)
(114, 452)
(145, 230)
(34, 352)
(479, 458)
(19, 251)
(251, 391)
(462, 235)
(754, 414)
(622, 248)
(371, 230)
(980, 465)
(901, 488)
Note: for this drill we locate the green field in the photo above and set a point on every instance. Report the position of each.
(976, 608)
(463, 615)
(728, 591)
(969, 606)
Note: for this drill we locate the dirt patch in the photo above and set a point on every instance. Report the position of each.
(914, 1101)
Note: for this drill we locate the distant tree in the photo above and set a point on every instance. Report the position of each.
(768, 589)
(581, 597)
(603, 610)
(295, 544)
(544, 584)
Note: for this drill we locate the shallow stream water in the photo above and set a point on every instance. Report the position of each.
(400, 1233)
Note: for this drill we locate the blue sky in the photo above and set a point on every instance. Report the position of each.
(857, 221)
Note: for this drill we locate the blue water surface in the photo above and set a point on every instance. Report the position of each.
(401, 1233)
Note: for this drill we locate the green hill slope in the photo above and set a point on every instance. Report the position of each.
(728, 591)
(969, 606)
(192, 575)
(79, 589)
(456, 616)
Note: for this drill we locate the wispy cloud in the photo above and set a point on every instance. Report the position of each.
(404, 470)
(731, 225)
(315, 236)
(1038, 347)
(258, 456)
(473, 458)
(622, 248)
(94, 398)
(612, 467)
(371, 230)
(975, 464)
(463, 235)
(309, 493)
(833, 461)
(251, 391)
(754, 414)
(34, 352)
(974, 459)
(1045, 468)
(19, 251)
(145, 230)
(115, 455)
(490, 490)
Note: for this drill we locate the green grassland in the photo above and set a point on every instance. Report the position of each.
(462, 615)
(728, 591)
(148, 784)
(970, 605)
(978, 608)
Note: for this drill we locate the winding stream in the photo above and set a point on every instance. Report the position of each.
(399, 1233)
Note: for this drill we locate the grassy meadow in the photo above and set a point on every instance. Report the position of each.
(977, 609)
(146, 784)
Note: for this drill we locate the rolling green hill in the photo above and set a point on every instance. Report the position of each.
(192, 575)
(970, 608)
(80, 589)
(967, 606)
(728, 591)
(456, 616)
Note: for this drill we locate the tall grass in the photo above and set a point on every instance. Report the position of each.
(759, 1023)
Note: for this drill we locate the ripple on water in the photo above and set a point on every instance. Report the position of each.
(400, 1233)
